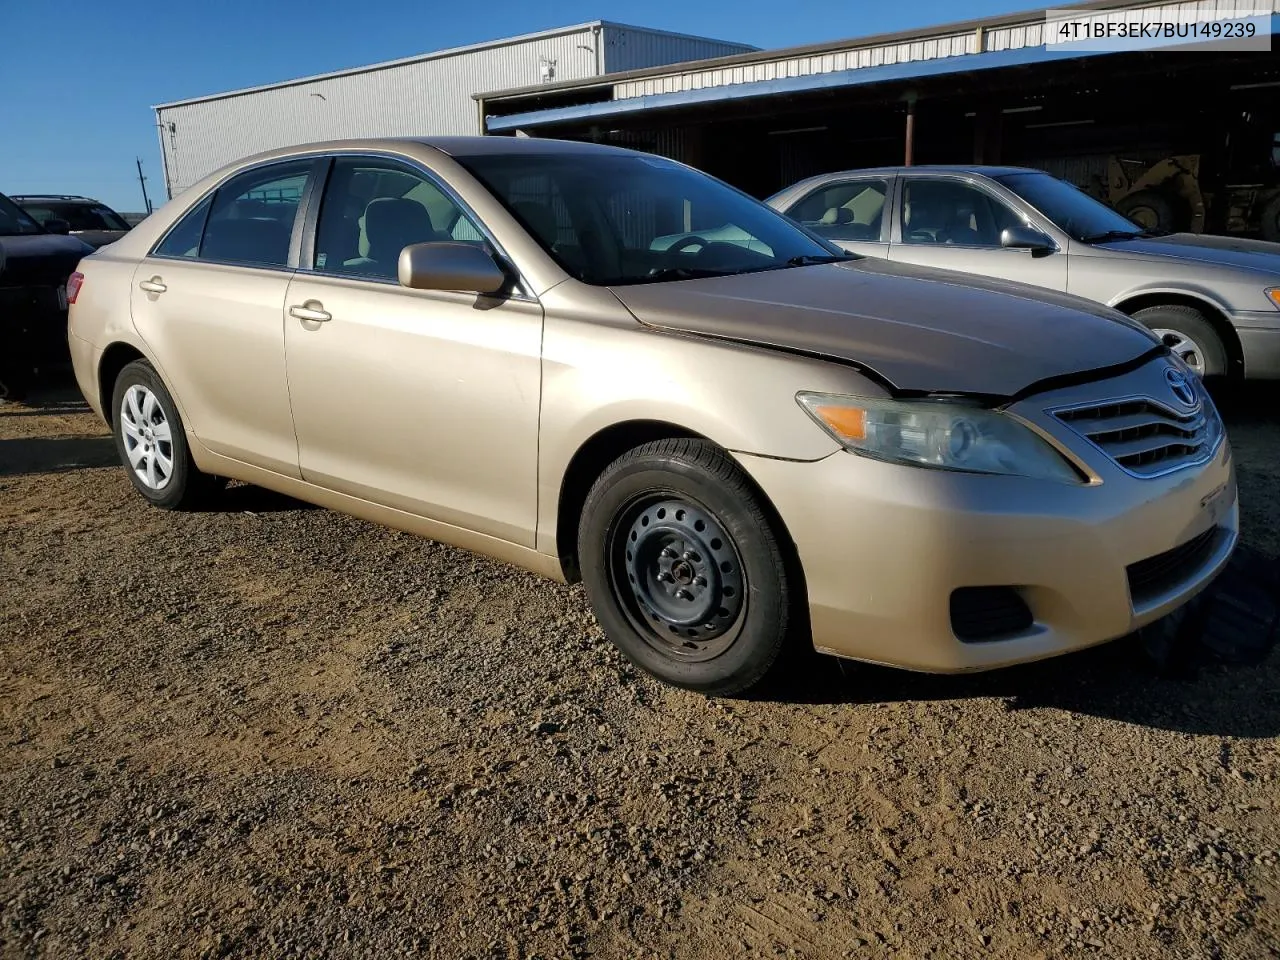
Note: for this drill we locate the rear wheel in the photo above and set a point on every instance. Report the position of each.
(152, 443)
(1189, 335)
(686, 569)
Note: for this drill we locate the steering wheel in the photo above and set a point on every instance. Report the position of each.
(688, 241)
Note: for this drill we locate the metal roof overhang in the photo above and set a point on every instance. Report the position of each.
(860, 76)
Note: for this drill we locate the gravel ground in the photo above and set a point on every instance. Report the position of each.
(276, 731)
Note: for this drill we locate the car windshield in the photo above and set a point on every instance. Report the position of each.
(615, 219)
(1073, 211)
(81, 216)
(13, 222)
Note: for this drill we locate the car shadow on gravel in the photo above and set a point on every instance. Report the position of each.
(1118, 681)
(246, 498)
(30, 455)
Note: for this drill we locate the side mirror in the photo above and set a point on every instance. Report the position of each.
(54, 225)
(1025, 238)
(445, 265)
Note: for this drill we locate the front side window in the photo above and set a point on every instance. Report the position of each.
(373, 209)
(952, 212)
(613, 219)
(851, 210)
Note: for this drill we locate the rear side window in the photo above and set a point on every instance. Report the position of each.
(184, 239)
(852, 210)
(249, 220)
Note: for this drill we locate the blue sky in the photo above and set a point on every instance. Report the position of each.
(77, 86)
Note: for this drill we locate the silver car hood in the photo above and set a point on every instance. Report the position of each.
(919, 330)
(1260, 255)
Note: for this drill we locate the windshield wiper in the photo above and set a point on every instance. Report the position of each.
(659, 274)
(809, 259)
(1113, 235)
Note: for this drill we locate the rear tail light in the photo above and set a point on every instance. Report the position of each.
(74, 283)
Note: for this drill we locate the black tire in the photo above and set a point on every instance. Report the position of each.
(1271, 220)
(728, 555)
(185, 488)
(1192, 324)
(1152, 209)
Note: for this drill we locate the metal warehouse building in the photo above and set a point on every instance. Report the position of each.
(1199, 128)
(430, 94)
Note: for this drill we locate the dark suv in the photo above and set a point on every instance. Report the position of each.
(35, 262)
(93, 222)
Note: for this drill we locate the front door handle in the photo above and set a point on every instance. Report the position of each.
(154, 285)
(312, 310)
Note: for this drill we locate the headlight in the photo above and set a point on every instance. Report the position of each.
(941, 434)
(1273, 294)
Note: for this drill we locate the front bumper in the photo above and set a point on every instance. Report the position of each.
(884, 546)
(1259, 333)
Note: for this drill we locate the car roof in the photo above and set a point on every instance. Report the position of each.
(60, 197)
(979, 169)
(517, 146)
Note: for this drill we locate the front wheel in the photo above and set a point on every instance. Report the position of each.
(1188, 335)
(152, 444)
(687, 571)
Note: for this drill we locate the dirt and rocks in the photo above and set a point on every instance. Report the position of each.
(273, 731)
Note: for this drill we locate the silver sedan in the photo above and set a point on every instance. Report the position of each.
(1214, 300)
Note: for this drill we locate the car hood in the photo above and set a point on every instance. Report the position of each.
(1260, 255)
(920, 330)
(39, 259)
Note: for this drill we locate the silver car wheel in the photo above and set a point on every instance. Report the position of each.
(1183, 347)
(148, 441)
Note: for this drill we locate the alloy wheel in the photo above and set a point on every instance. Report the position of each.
(148, 440)
(1184, 348)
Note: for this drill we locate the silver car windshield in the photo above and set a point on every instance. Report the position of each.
(621, 219)
(1074, 212)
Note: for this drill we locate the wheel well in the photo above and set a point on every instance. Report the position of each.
(587, 465)
(114, 359)
(1221, 325)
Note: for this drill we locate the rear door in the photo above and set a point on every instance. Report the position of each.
(851, 212)
(209, 302)
(954, 223)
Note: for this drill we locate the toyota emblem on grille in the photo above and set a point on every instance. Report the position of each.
(1181, 387)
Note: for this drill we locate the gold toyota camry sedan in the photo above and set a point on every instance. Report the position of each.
(604, 365)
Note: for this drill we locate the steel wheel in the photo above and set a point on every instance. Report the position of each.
(680, 577)
(1184, 348)
(148, 439)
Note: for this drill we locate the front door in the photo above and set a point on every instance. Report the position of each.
(424, 401)
(954, 224)
(209, 302)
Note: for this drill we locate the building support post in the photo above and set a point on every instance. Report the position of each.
(987, 131)
(909, 157)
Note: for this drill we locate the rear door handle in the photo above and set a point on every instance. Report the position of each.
(312, 310)
(154, 285)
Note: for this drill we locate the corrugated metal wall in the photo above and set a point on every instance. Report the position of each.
(628, 48)
(426, 96)
(417, 98)
(1026, 33)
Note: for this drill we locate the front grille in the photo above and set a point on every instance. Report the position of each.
(1144, 437)
(988, 613)
(1150, 578)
